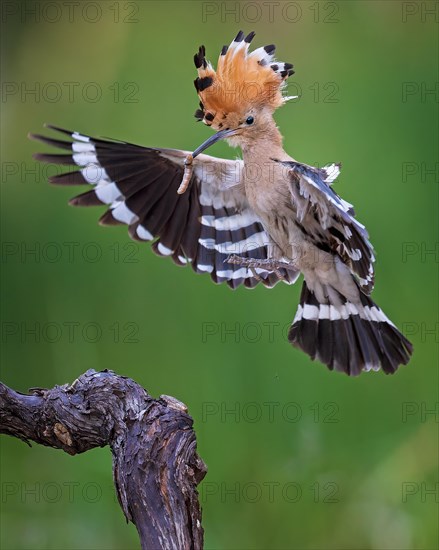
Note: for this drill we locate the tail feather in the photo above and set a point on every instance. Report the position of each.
(348, 337)
(325, 341)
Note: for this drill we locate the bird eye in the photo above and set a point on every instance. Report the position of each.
(250, 120)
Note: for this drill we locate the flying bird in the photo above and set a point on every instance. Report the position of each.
(260, 220)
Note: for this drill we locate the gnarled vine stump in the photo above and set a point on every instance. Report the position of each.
(156, 468)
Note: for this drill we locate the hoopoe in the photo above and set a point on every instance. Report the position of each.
(263, 219)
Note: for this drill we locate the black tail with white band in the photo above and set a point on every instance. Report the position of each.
(348, 337)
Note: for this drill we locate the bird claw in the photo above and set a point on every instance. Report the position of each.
(270, 265)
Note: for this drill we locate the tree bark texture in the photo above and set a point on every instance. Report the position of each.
(156, 468)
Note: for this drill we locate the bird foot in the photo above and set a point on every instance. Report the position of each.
(273, 266)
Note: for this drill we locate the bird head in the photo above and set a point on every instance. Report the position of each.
(239, 97)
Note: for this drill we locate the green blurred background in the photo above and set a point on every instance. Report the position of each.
(298, 457)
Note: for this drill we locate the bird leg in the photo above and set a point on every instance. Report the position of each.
(187, 176)
(269, 264)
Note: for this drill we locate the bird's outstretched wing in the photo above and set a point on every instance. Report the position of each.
(205, 225)
(329, 221)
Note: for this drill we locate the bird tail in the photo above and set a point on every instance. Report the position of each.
(348, 337)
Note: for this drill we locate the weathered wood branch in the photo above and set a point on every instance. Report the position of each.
(156, 468)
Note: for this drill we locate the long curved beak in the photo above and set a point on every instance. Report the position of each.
(213, 139)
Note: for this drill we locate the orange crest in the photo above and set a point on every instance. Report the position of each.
(242, 81)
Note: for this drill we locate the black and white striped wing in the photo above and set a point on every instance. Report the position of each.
(329, 220)
(202, 227)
